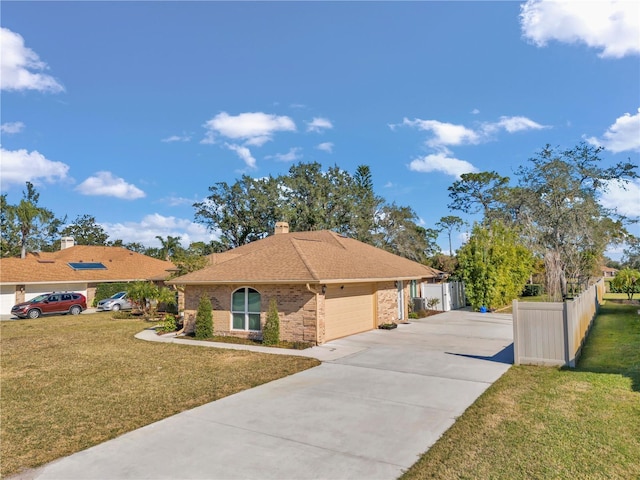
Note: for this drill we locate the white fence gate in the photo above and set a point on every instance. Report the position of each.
(450, 295)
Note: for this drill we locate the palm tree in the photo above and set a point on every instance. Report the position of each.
(27, 214)
(169, 246)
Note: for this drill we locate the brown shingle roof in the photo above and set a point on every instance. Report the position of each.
(309, 257)
(122, 265)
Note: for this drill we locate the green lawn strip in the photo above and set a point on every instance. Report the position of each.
(72, 382)
(538, 422)
(620, 296)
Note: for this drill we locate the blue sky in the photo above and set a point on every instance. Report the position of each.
(129, 111)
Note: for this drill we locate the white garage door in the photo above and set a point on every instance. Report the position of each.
(348, 310)
(7, 298)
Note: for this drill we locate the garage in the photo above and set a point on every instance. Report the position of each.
(349, 309)
(35, 290)
(7, 298)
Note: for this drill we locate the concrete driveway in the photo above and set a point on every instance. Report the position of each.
(369, 412)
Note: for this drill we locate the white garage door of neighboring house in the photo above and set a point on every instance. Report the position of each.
(348, 310)
(7, 298)
(35, 290)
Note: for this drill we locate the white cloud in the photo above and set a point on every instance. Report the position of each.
(319, 124)
(291, 156)
(244, 153)
(11, 127)
(512, 125)
(254, 128)
(108, 185)
(441, 162)
(444, 133)
(20, 166)
(20, 66)
(475, 111)
(611, 26)
(622, 136)
(177, 138)
(153, 225)
(325, 147)
(449, 134)
(623, 197)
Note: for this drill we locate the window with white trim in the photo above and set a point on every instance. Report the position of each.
(245, 309)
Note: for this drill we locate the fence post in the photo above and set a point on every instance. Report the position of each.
(565, 328)
(516, 350)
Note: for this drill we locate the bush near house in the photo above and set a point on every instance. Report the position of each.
(271, 331)
(204, 319)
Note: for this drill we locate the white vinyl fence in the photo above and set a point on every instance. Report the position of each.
(553, 333)
(450, 295)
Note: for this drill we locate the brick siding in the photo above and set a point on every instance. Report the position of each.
(296, 307)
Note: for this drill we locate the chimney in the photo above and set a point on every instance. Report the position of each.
(66, 242)
(281, 227)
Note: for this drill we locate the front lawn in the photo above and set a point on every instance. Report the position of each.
(540, 422)
(72, 382)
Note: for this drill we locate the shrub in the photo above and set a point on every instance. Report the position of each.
(532, 290)
(105, 290)
(432, 303)
(204, 319)
(626, 281)
(169, 324)
(271, 330)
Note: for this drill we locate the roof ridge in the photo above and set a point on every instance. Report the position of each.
(303, 257)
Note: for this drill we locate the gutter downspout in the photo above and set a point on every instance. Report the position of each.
(316, 294)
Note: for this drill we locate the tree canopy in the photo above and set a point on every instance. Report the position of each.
(27, 226)
(310, 198)
(556, 207)
(85, 231)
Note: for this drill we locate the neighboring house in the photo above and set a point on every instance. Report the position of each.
(608, 272)
(77, 268)
(326, 286)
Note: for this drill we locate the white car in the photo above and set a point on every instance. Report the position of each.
(118, 301)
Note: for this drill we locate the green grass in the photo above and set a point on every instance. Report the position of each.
(72, 382)
(538, 423)
(620, 296)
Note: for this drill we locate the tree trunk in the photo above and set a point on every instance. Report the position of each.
(555, 280)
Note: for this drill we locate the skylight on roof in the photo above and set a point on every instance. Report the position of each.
(87, 266)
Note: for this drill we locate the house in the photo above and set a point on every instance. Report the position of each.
(78, 268)
(608, 272)
(326, 286)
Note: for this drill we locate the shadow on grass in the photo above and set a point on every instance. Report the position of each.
(632, 372)
(613, 346)
(503, 356)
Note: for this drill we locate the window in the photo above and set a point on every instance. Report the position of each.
(245, 309)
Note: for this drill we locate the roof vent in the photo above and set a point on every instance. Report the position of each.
(281, 227)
